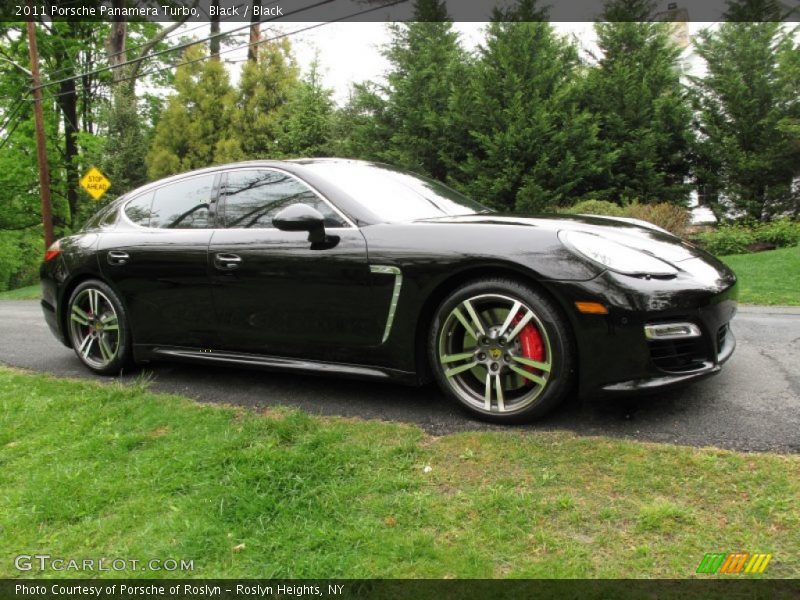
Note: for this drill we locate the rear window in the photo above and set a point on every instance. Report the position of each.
(180, 205)
(183, 204)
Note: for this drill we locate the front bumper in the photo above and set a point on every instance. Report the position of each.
(706, 369)
(615, 357)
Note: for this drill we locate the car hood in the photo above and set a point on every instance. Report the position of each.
(636, 234)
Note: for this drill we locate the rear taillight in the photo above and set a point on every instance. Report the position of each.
(53, 251)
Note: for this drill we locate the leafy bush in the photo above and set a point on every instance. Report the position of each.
(673, 218)
(739, 238)
(781, 233)
(726, 239)
(595, 207)
(20, 255)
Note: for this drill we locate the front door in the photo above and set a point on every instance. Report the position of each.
(275, 294)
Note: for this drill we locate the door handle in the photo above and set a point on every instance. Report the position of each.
(226, 262)
(115, 257)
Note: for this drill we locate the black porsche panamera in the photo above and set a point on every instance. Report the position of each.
(339, 266)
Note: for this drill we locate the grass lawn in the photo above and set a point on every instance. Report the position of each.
(93, 470)
(32, 292)
(771, 277)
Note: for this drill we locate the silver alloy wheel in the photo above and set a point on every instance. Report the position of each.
(480, 354)
(94, 328)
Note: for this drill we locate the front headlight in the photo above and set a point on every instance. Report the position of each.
(614, 256)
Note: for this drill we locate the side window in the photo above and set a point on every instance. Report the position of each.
(253, 198)
(109, 219)
(102, 218)
(183, 205)
(138, 209)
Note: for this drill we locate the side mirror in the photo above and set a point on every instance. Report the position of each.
(302, 217)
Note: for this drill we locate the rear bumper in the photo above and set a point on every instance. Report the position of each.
(51, 318)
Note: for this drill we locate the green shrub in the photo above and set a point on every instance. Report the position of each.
(781, 233)
(736, 239)
(20, 255)
(595, 207)
(726, 239)
(673, 218)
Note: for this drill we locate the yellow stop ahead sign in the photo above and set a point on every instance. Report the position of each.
(95, 183)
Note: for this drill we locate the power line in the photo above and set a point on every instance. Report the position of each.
(13, 112)
(10, 133)
(264, 41)
(138, 45)
(174, 48)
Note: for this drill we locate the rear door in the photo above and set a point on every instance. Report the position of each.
(158, 259)
(273, 292)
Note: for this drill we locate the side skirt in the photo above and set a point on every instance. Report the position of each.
(277, 363)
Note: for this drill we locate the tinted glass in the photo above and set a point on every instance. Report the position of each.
(183, 205)
(253, 198)
(103, 218)
(109, 218)
(395, 195)
(138, 209)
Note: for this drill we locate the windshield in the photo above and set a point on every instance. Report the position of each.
(394, 195)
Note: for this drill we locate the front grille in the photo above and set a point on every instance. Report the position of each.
(678, 355)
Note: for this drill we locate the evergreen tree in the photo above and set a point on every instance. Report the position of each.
(197, 118)
(265, 88)
(749, 116)
(308, 125)
(531, 147)
(125, 148)
(426, 66)
(644, 114)
(361, 128)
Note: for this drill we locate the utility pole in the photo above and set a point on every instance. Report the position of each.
(255, 32)
(41, 149)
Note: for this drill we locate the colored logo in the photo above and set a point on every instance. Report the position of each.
(735, 562)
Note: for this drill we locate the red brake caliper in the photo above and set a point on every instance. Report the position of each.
(531, 345)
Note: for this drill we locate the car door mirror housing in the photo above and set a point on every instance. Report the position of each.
(302, 217)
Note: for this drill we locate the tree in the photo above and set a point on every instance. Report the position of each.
(125, 151)
(426, 61)
(361, 129)
(531, 147)
(197, 120)
(309, 118)
(643, 110)
(265, 87)
(749, 117)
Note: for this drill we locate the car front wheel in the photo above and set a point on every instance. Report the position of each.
(502, 350)
(98, 328)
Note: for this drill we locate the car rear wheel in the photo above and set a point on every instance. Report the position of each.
(98, 328)
(502, 350)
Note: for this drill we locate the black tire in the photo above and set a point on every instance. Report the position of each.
(99, 325)
(455, 346)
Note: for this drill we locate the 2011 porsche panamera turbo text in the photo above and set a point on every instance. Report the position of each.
(338, 266)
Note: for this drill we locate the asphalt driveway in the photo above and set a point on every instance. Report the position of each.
(754, 404)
